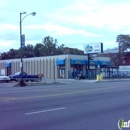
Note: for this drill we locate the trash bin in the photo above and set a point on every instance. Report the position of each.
(98, 77)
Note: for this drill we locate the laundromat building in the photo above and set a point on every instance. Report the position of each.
(58, 66)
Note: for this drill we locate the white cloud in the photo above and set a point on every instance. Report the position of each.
(81, 20)
(3, 2)
(94, 13)
(60, 30)
(8, 27)
(109, 44)
(6, 45)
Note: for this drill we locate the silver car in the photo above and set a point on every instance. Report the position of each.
(4, 78)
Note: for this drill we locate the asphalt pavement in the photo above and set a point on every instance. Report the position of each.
(77, 105)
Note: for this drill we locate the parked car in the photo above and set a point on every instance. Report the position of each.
(4, 78)
(17, 76)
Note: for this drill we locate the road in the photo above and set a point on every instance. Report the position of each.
(77, 106)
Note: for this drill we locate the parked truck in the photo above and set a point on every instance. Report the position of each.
(17, 76)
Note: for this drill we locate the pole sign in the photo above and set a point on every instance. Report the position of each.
(23, 40)
(93, 48)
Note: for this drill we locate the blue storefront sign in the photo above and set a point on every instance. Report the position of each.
(60, 62)
(108, 63)
(8, 64)
(77, 61)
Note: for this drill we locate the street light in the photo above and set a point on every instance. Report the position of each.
(21, 64)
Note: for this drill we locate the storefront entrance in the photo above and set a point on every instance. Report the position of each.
(61, 72)
(76, 70)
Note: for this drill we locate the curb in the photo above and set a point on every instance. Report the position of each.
(118, 80)
(39, 84)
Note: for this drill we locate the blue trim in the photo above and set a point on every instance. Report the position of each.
(77, 62)
(105, 63)
(8, 64)
(60, 62)
(91, 62)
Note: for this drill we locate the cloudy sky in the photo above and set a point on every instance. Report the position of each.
(72, 22)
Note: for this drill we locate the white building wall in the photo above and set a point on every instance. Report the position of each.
(13, 68)
(16, 65)
(42, 66)
(56, 68)
(51, 68)
(33, 67)
(48, 71)
(28, 68)
(39, 67)
(45, 65)
(46, 68)
(67, 67)
(19, 66)
(24, 66)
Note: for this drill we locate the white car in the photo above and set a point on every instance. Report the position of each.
(4, 78)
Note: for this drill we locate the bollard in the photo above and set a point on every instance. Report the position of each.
(98, 77)
(101, 77)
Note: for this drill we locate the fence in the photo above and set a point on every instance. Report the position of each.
(115, 74)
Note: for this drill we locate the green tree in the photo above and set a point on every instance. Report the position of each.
(13, 54)
(73, 51)
(4, 56)
(123, 42)
(60, 49)
(50, 45)
(39, 50)
(114, 55)
(28, 51)
(78, 52)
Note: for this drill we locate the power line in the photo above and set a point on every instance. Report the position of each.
(10, 10)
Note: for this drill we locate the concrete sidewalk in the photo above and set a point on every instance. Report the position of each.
(69, 81)
(83, 80)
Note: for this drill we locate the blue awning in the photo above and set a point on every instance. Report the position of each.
(105, 63)
(60, 62)
(8, 64)
(94, 62)
(77, 61)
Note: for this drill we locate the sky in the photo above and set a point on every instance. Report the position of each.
(72, 22)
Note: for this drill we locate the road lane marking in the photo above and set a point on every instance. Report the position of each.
(49, 110)
(60, 89)
(8, 98)
(69, 93)
(62, 94)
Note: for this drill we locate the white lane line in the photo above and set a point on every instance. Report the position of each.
(56, 109)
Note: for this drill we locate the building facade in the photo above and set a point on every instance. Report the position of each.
(58, 66)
